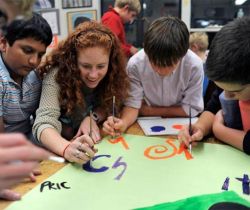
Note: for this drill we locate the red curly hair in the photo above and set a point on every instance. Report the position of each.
(64, 58)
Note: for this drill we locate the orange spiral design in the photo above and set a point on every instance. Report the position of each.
(153, 152)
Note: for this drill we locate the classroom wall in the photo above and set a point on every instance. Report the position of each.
(96, 5)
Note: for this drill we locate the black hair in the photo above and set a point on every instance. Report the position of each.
(36, 27)
(166, 41)
(229, 56)
(80, 20)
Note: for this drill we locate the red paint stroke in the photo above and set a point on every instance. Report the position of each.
(184, 149)
(160, 149)
(119, 139)
(178, 127)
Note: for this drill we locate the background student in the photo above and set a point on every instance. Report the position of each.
(124, 11)
(165, 78)
(10, 9)
(228, 66)
(15, 147)
(198, 43)
(92, 71)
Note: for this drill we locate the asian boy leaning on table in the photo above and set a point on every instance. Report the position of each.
(228, 66)
(166, 78)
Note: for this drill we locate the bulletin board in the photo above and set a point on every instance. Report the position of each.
(137, 171)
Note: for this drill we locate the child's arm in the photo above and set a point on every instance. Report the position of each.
(115, 126)
(172, 111)
(228, 135)
(47, 127)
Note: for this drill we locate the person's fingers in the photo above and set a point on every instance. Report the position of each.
(88, 151)
(79, 133)
(117, 133)
(197, 135)
(8, 182)
(184, 136)
(96, 135)
(84, 148)
(33, 174)
(9, 195)
(111, 119)
(107, 129)
(85, 139)
(32, 177)
(14, 139)
(116, 120)
(81, 150)
(17, 169)
(23, 153)
(80, 158)
(37, 172)
(83, 156)
(110, 124)
(119, 126)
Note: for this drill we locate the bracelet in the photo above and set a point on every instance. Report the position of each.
(65, 150)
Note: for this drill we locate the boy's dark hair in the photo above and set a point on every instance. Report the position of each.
(80, 20)
(229, 56)
(36, 27)
(166, 41)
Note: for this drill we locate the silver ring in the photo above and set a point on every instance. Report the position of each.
(80, 147)
(77, 155)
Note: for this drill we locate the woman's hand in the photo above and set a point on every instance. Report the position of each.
(114, 126)
(80, 150)
(85, 129)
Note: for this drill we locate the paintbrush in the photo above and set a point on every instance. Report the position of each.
(90, 124)
(190, 129)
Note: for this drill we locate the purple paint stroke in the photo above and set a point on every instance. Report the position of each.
(225, 184)
(245, 184)
(117, 164)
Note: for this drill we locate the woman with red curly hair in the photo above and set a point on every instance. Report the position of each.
(82, 74)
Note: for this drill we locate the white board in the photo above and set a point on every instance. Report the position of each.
(155, 126)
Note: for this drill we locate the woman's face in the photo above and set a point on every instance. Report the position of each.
(93, 64)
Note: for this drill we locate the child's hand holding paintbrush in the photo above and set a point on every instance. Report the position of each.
(114, 126)
(191, 133)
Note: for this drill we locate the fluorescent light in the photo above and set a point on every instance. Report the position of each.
(239, 2)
